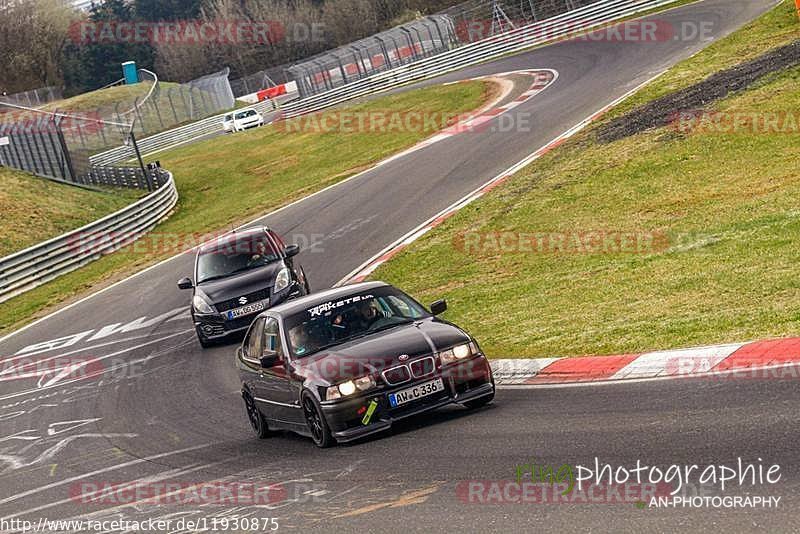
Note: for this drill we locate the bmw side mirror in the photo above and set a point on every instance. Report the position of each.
(291, 250)
(269, 359)
(439, 307)
(185, 283)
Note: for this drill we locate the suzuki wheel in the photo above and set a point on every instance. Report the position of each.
(204, 342)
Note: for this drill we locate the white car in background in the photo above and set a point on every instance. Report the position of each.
(246, 118)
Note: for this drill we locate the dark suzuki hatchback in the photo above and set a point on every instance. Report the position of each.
(348, 362)
(239, 275)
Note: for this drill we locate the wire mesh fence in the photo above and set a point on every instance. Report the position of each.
(387, 50)
(465, 23)
(59, 146)
(475, 20)
(167, 105)
(34, 97)
(260, 80)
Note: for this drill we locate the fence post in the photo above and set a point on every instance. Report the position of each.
(172, 105)
(65, 150)
(385, 52)
(138, 113)
(147, 177)
(158, 112)
(14, 130)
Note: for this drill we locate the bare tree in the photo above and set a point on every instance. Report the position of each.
(33, 34)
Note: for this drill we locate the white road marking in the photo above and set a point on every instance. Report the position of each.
(115, 328)
(146, 480)
(76, 478)
(95, 360)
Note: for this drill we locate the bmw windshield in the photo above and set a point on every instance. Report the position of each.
(335, 322)
(236, 255)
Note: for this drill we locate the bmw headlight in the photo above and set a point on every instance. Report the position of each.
(282, 280)
(345, 389)
(459, 352)
(201, 305)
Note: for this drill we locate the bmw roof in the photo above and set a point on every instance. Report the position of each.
(303, 303)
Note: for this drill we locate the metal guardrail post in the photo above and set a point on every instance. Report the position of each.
(135, 145)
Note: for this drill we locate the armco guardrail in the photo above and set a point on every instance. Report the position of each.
(560, 26)
(173, 137)
(41, 263)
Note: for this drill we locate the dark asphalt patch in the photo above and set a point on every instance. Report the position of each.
(662, 111)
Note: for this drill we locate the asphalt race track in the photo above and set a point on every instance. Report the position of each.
(164, 410)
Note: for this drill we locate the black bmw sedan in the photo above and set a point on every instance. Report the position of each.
(239, 275)
(348, 362)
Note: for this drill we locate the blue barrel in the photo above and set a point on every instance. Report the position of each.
(130, 73)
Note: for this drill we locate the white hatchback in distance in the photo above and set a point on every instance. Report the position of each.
(247, 118)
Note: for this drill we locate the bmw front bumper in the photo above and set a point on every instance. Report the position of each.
(464, 382)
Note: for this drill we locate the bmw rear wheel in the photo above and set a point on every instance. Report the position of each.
(257, 422)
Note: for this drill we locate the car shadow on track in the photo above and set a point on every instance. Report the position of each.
(405, 426)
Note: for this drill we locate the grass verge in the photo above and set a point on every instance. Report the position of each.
(722, 207)
(35, 209)
(101, 98)
(230, 180)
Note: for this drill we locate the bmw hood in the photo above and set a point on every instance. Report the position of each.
(380, 351)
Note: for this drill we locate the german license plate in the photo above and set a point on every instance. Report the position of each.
(417, 392)
(245, 310)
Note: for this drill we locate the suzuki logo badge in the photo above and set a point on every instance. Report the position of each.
(243, 301)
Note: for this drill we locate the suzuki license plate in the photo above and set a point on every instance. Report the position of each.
(245, 310)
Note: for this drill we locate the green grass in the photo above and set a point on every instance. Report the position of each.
(727, 204)
(124, 95)
(775, 28)
(35, 209)
(229, 180)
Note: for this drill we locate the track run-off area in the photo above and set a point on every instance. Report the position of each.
(154, 409)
